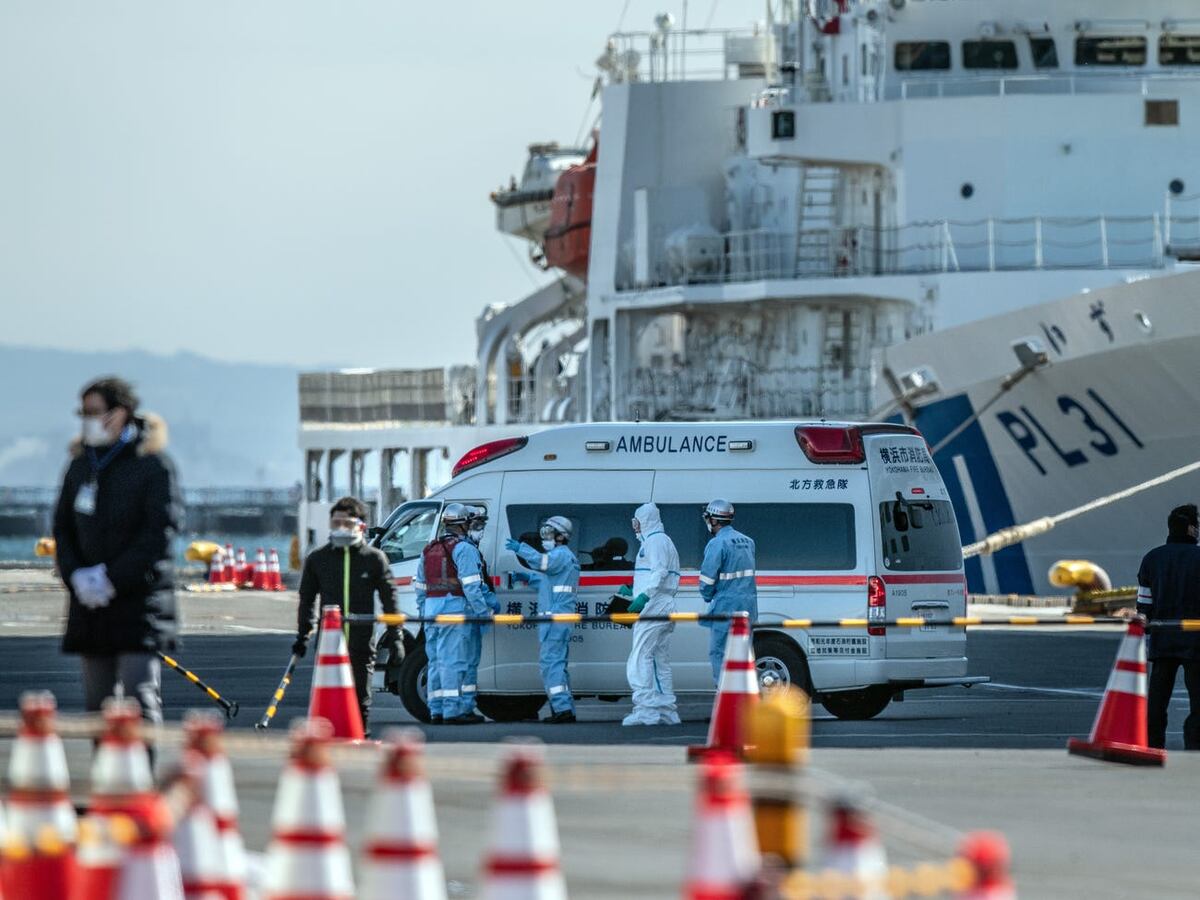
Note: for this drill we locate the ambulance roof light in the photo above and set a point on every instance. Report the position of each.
(831, 443)
(485, 453)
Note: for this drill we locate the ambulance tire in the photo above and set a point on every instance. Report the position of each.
(510, 708)
(412, 680)
(780, 661)
(858, 705)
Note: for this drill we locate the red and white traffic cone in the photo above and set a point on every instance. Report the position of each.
(41, 817)
(1119, 733)
(274, 575)
(988, 855)
(400, 856)
(725, 860)
(522, 862)
(260, 577)
(214, 778)
(854, 849)
(196, 841)
(216, 567)
(230, 573)
(333, 695)
(308, 857)
(241, 569)
(736, 693)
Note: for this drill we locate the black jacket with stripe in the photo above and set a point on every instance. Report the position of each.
(1169, 588)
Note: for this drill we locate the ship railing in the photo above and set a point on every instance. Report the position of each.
(365, 397)
(699, 54)
(1070, 83)
(1182, 225)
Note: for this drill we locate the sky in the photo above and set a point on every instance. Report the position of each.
(282, 181)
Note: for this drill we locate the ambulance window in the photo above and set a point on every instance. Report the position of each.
(603, 537)
(787, 536)
(919, 536)
(412, 529)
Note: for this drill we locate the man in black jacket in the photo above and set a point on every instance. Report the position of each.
(347, 559)
(117, 516)
(1169, 588)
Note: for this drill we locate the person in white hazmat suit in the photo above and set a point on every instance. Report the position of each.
(655, 581)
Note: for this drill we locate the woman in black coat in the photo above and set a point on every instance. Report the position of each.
(114, 526)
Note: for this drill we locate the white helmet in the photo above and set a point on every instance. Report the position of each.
(718, 511)
(555, 525)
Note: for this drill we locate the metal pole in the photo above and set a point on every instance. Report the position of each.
(991, 234)
(1104, 241)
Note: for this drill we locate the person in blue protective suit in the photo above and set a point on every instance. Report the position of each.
(655, 581)
(451, 578)
(726, 578)
(556, 576)
(476, 524)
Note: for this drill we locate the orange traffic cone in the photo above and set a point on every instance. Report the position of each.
(196, 841)
(725, 860)
(41, 817)
(216, 567)
(274, 576)
(333, 696)
(988, 855)
(853, 848)
(230, 573)
(214, 776)
(259, 579)
(308, 856)
(241, 569)
(737, 692)
(401, 858)
(1119, 732)
(522, 862)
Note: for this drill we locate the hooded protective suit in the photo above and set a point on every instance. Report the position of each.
(727, 582)
(655, 574)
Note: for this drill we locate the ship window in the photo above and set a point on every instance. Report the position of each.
(917, 56)
(1110, 51)
(989, 55)
(1179, 50)
(1044, 52)
(1162, 112)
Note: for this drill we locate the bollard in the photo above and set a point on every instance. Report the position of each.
(778, 728)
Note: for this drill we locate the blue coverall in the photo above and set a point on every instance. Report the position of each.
(556, 576)
(727, 582)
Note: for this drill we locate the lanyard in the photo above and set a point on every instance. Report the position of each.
(99, 464)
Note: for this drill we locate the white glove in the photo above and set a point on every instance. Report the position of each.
(92, 586)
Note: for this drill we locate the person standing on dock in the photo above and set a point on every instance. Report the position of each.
(117, 516)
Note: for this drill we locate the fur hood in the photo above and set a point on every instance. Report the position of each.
(151, 439)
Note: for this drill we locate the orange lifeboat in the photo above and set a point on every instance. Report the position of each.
(569, 234)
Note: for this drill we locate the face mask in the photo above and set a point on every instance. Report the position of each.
(475, 535)
(344, 537)
(548, 545)
(95, 432)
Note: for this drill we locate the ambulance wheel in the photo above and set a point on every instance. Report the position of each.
(519, 708)
(866, 703)
(780, 662)
(414, 682)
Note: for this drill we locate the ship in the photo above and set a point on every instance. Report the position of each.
(978, 217)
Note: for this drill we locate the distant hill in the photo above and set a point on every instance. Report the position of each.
(231, 424)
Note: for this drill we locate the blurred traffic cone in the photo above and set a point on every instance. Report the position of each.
(274, 576)
(724, 860)
(150, 868)
(41, 818)
(737, 692)
(333, 696)
(401, 858)
(196, 841)
(307, 856)
(260, 577)
(1119, 732)
(853, 848)
(988, 856)
(230, 574)
(216, 567)
(522, 861)
(241, 569)
(214, 777)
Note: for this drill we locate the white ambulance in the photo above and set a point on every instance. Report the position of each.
(850, 521)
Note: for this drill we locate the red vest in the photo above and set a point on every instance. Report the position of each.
(441, 575)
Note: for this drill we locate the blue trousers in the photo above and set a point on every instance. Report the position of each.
(555, 641)
(433, 672)
(717, 636)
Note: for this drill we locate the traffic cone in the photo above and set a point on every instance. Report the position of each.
(241, 569)
(986, 852)
(853, 848)
(333, 696)
(214, 777)
(196, 841)
(308, 856)
(259, 579)
(216, 567)
(41, 817)
(230, 573)
(400, 857)
(1119, 732)
(274, 576)
(736, 694)
(150, 868)
(725, 860)
(522, 862)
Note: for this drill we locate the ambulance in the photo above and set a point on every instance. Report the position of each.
(850, 520)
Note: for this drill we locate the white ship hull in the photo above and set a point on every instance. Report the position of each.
(1116, 405)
